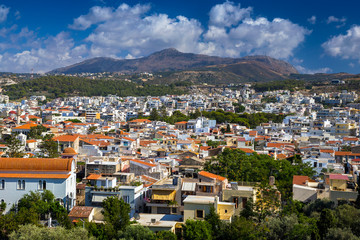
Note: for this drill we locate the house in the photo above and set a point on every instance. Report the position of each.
(240, 195)
(19, 176)
(197, 207)
(165, 197)
(81, 212)
(210, 184)
(161, 222)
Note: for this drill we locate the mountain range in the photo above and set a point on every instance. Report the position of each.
(189, 66)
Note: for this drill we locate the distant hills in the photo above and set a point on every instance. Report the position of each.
(190, 67)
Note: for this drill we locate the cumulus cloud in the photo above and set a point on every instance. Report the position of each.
(96, 15)
(4, 11)
(340, 21)
(133, 31)
(130, 30)
(346, 46)
(53, 52)
(312, 19)
(277, 38)
(304, 70)
(228, 14)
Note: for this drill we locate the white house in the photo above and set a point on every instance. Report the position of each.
(19, 176)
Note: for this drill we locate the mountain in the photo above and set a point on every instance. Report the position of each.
(171, 60)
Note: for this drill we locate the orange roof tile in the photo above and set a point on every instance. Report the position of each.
(300, 180)
(211, 175)
(66, 138)
(144, 163)
(26, 126)
(34, 175)
(140, 121)
(247, 150)
(35, 164)
(80, 212)
(93, 177)
(130, 139)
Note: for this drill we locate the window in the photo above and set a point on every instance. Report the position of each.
(320, 165)
(2, 184)
(225, 211)
(126, 199)
(199, 213)
(21, 184)
(236, 201)
(244, 202)
(174, 210)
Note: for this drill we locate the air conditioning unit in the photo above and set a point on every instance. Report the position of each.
(153, 220)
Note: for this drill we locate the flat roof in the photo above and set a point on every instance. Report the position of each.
(199, 199)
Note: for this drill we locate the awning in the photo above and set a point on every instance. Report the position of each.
(188, 187)
(98, 198)
(163, 195)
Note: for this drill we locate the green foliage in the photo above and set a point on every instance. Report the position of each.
(33, 232)
(238, 107)
(49, 147)
(116, 214)
(35, 132)
(235, 165)
(341, 234)
(61, 86)
(136, 232)
(197, 230)
(165, 235)
(14, 147)
(241, 228)
(245, 119)
(279, 85)
(74, 120)
(154, 115)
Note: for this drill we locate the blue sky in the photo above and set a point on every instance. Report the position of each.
(314, 36)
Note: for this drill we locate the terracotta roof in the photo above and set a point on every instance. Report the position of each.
(34, 175)
(69, 150)
(246, 150)
(144, 163)
(35, 164)
(211, 175)
(327, 150)
(30, 141)
(300, 180)
(66, 138)
(27, 126)
(93, 177)
(80, 212)
(183, 122)
(350, 139)
(252, 133)
(278, 145)
(339, 177)
(341, 153)
(140, 121)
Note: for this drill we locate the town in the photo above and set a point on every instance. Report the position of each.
(169, 160)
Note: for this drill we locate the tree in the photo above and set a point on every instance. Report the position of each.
(136, 232)
(14, 147)
(240, 228)
(327, 220)
(74, 120)
(116, 214)
(165, 235)
(49, 147)
(154, 115)
(30, 232)
(196, 230)
(340, 234)
(35, 132)
(92, 129)
(216, 224)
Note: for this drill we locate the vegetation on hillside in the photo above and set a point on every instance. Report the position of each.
(62, 86)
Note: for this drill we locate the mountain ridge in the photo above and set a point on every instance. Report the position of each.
(173, 60)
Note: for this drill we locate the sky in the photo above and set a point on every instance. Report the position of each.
(314, 36)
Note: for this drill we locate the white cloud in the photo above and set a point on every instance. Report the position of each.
(228, 14)
(304, 70)
(134, 31)
(277, 38)
(312, 19)
(54, 51)
(332, 19)
(346, 46)
(96, 15)
(4, 11)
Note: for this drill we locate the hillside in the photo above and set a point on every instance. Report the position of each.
(251, 68)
